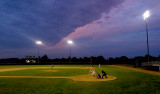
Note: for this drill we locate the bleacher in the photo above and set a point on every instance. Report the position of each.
(154, 65)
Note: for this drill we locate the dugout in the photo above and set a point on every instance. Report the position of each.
(154, 65)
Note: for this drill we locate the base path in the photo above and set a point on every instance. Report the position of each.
(139, 70)
(86, 78)
(13, 69)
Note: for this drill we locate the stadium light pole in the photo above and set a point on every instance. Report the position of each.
(70, 42)
(38, 43)
(146, 15)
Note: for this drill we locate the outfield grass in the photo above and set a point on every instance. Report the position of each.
(128, 82)
(45, 72)
(24, 66)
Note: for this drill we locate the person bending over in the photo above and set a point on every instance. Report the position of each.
(104, 74)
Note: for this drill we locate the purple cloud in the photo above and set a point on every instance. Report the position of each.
(122, 20)
(98, 27)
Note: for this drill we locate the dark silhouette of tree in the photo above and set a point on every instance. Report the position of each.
(110, 60)
(123, 59)
(74, 59)
(138, 60)
(44, 58)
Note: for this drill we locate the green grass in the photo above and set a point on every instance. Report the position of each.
(43, 72)
(128, 82)
(24, 66)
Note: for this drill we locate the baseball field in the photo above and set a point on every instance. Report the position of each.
(76, 79)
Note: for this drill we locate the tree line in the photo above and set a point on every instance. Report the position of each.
(82, 60)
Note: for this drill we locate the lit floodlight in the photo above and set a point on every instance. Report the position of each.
(27, 61)
(146, 14)
(38, 42)
(70, 42)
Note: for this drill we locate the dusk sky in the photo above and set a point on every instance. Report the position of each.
(110, 28)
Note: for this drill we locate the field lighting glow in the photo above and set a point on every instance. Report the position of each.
(146, 14)
(70, 42)
(38, 42)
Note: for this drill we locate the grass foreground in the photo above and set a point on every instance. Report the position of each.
(128, 82)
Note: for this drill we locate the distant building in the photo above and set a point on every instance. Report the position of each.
(153, 65)
(30, 59)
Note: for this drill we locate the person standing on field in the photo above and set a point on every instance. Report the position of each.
(93, 72)
(52, 67)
